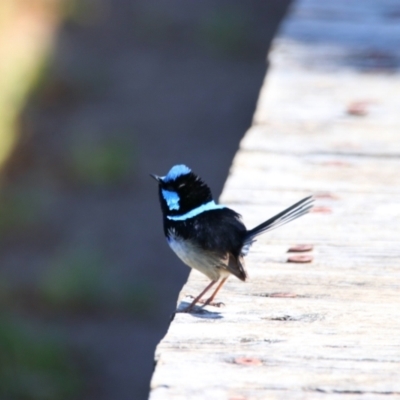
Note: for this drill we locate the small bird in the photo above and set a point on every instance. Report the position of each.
(207, 236)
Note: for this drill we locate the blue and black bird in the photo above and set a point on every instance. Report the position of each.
(207, 236)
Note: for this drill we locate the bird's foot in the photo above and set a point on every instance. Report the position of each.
(212, 303)
(207, 302)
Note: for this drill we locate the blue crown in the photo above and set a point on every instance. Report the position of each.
(176, 171)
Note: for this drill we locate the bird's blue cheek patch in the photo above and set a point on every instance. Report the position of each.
(171, 198)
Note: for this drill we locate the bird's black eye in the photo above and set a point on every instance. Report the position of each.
(181, 185)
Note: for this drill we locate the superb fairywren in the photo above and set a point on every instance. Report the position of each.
(207, 236)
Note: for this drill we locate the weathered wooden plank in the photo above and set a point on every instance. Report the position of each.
(327, 329)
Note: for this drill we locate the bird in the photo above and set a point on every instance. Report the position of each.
(207, 236)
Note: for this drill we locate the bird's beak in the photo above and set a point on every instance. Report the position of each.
(156, 177)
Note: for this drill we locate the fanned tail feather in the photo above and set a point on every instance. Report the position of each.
(295, 211)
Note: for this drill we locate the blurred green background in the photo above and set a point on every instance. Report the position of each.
(94, 96)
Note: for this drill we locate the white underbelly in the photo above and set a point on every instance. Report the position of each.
(196, 258)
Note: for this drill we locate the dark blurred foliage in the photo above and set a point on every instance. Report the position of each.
(87, 282)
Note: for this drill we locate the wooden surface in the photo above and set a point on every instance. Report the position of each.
(327, 123)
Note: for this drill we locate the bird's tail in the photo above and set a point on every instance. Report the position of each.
(291, 213)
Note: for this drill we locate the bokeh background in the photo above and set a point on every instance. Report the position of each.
(94, 96)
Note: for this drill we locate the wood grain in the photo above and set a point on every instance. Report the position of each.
(329, 329)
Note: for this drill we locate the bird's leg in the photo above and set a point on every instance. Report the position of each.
(188, 309)
(208, 301)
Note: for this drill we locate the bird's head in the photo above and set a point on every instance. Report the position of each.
(181, 191)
